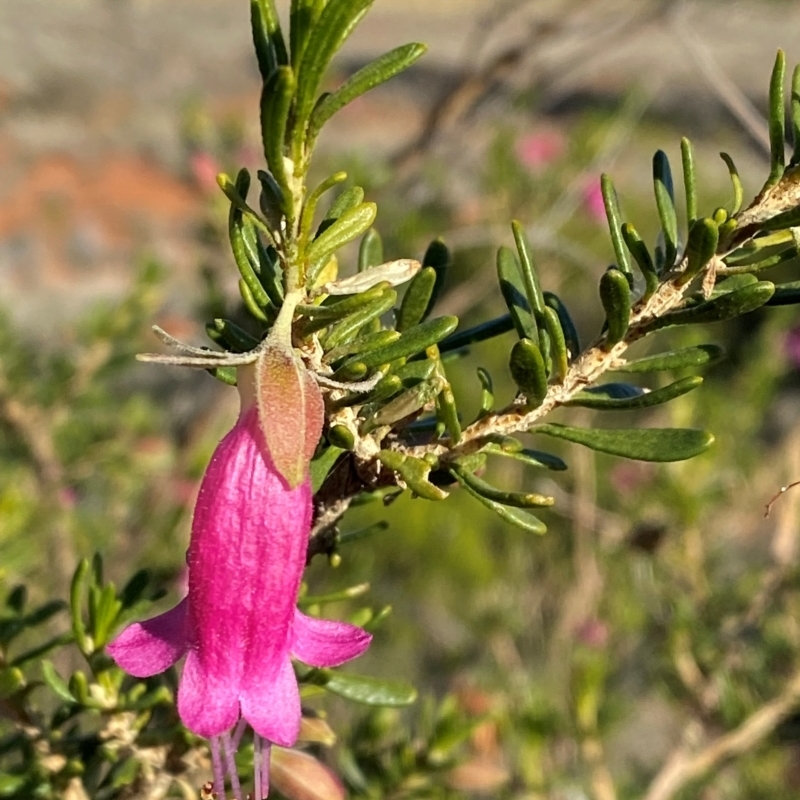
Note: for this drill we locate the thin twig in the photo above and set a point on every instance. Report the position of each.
(685, 766)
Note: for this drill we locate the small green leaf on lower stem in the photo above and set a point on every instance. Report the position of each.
(412, 341)
(414, 472)
(689, 180)
(515, 516)
(487, 392)
(341, 333)
(558, 344)
(437, 256)
(736, 183)
(350, 225)
(615, 295)
(370, 251)
(567, 325)
(700, 248)
(513, 290)
(696, 356)
(322, 464)
(777, 121)
(795, 115)
(56, 682)
(516, 499)
(725, 306)
(641, 255)
(530, 279)
(614, 218)
(665, 202)
(417, 300)
(528, 370)
(533, 458)
(362, 689)
(603, 398)
(642, 444)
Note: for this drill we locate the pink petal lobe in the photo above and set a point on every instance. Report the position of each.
(325, 642)
(271, 704)
(147, 648)
(207, 705)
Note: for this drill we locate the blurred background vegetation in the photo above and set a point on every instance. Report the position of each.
(660, 606)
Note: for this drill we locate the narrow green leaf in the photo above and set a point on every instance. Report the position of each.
(335, 24)
(487, 392)
(303, 16)
(334, 309)
(404, 405)
(528, 371)
(516, 499)
(795, 115)
(641, 255)
(347, 227)
(256, 311)
(642, 444)
(322, 464)
(56, 682)
(370, 76)
(777, 121)
(76, 604)
(361, 689)
(558, 344)
(437, 256)
(414, 471)
(416, 302)
(514, 516)
(267, 37)
(567, 325)
(614, 223)
(530, 280)
(689, 180)
(310, 207)
(276, 104)
(533, 458)
(762, 247)
(665, 202)
(700, 248)
(341, 333)
(486, 330)
(513, 290)
(412, 341)
(615, 295)
(446, 409)
(226, 375)
(603, 397)
(345, 201)
(231, 336)
(697, 356)
(725, 306)
(370, 251)
(736, 183)
(361, 344)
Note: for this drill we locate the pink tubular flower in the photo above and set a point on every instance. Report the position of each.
(239, 626)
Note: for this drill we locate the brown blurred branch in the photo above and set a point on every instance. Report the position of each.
(687, 763)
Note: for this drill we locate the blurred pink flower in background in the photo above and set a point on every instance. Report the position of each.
(593, 200)
(540, 148)
(204, 168)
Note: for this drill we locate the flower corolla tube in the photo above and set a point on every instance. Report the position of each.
(239, 626)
